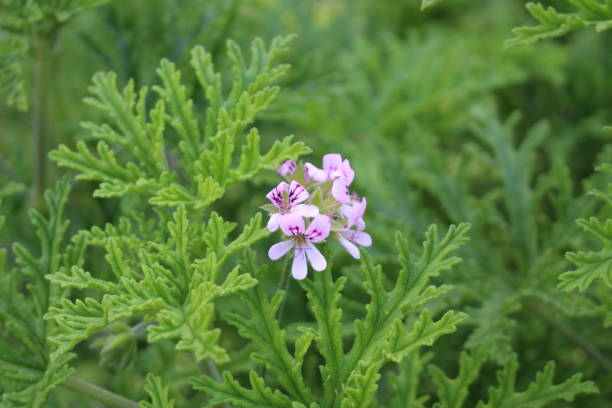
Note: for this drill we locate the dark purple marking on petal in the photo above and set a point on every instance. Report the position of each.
(294, 193)
(277, 196)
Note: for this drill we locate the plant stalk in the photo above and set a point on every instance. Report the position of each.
(41, 46)
(83, 387)
(283, 284)
(100, 394)
(213, 371)
(589, 348)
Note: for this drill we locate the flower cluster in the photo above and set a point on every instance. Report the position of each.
(313, 205)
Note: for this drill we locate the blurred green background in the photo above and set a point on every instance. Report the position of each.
(442, 123)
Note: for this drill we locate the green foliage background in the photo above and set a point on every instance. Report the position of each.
(149, 276)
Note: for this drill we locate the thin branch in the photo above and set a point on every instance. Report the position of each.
(98, 393)
(589, 348)
(39, 111)
(283, 284)
(213, 371)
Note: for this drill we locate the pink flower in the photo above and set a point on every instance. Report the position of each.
(349, 237)
(287, 198)
(302, 241)
(354, 212)
(287, 168)
(335, 169)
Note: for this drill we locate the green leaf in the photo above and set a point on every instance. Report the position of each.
(117, 180)
(552, 23)
(387, 308)
(425, 4)
(33, 366)
(183, 119)
(252, 162)
(540, 392)
(35, 395)
(365, 383)
(80, 279)
(158, 392)
(51, 235)
(251, 233)
(137, 152)
(324, 294)
(514, 165)
(130, 128)
(190, 322)
(590, 265)
(13, 51)
(231, 391)
(424, 332)
(217, 230)
(262, 327)
(10, 188)
(493, 325)
(453, 392)
(78, 321)
(208, 191)
(405, 383)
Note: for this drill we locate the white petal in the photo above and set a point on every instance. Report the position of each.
(346, 210)
(279, 249)
(358, 237)
(314, 173)
(318, 229)
(331, 163)
(360, 224)
(347, 172)
(306, 210)
(358, 209)
(340, 191)
(299, 269)
(273, 222)
(317, 260)
(353, 212)
(350, 247)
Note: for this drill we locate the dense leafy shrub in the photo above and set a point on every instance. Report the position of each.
(142, 276)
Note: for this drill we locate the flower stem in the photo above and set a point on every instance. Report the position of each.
(283, 284)
(98, 393)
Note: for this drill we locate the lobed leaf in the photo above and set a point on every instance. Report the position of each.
(158, 392)
(263, 329)
(231, 391)
(424, 332)
(324, 294)
(592, 265)
(552, 23)
(453, 392)
(539, 393)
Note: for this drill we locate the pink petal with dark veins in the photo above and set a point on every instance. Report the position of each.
(292, 224)
(318, 229)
